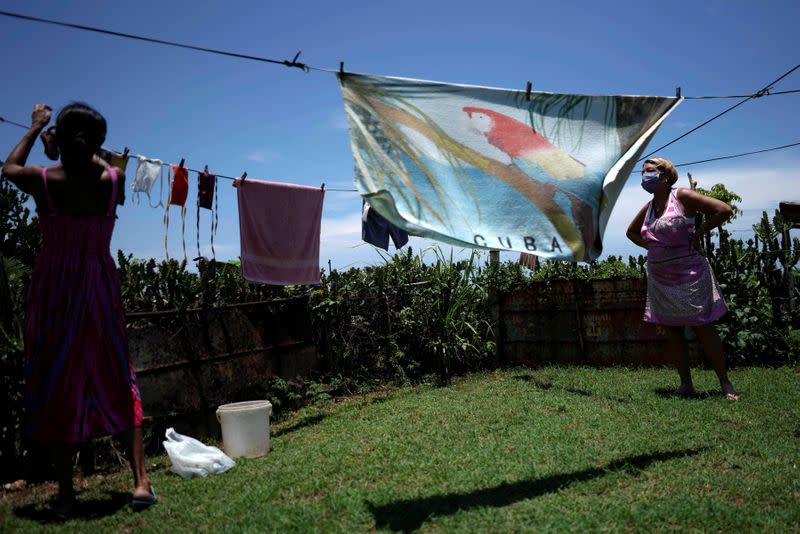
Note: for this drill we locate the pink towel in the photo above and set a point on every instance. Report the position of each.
(279, 226)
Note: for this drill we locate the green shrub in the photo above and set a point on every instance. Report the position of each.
(755, 278)
(404, 319)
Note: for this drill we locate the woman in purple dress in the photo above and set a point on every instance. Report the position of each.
(681, 287)
(80, 382)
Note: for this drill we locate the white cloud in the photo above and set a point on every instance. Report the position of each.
(260, 155)
(759, 187)
(342, 230)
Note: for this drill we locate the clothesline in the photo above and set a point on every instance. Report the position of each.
(165, 164)
(239, 177)
(291, 63)
(758, 94)
(754, 95)
(764, 91)
(353, 190)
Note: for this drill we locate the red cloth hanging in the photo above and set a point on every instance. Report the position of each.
(180, 186)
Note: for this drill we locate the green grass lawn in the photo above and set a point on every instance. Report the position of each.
(556, 449)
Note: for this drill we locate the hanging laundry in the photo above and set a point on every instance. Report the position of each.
(180, 186)
(215, 222)
(492, 168)
(119, 160)
(531, 261)
(375, 229)
(178, 182)
(147, 172)
(205, 189)
(279, 226)
(205, 199)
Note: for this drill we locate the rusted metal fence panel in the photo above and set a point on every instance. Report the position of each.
(580, 323)
(192, 361)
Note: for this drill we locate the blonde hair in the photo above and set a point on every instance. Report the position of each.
(665, 166)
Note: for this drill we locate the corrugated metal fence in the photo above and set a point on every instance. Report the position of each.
(595, 322)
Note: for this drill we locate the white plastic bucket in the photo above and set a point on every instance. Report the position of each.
(245, 428)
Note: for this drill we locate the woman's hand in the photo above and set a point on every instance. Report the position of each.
(48, 138)
(28, 179)
(40, 117)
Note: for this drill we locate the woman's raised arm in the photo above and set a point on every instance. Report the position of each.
(27, 179)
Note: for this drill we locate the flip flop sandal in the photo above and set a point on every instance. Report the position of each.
(138, 504)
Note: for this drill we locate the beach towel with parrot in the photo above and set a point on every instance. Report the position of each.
(496, 168)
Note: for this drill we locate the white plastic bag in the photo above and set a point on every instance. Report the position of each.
(192, 458)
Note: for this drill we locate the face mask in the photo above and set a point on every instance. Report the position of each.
(651, 181)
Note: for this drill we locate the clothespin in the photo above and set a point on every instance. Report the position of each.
(237, 182)
(762, 92)
(323, 187)
(341, 67)
(125, 152)
(677, 92)
(180, 165)
(528, 89)
(294, 63)
(205, 169)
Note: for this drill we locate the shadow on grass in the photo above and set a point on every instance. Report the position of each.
(311, 420)
(84, 508)
(667, 393)
(576, 391)
(409, 514)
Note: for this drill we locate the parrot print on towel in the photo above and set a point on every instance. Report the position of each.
(491, 168)
(521, 142)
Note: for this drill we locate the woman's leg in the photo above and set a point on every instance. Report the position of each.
(676, 353)
(62, 458)
(712, 346)
(141, 483)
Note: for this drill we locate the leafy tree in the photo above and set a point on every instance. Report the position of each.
(720, 192)
(20, 241)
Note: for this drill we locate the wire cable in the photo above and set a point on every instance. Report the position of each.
(738, 155)
(14, 123)
(763, 91)
(165, 164)
(292, 63)
(718, 158)
(754, 95)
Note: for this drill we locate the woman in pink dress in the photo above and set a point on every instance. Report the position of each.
(80, 382)
(681, 287)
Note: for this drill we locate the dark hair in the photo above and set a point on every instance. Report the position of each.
(80, 131)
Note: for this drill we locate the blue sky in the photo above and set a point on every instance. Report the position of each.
(284, 125)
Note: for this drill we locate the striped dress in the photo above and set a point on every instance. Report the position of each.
(80, 382)
(681, 287)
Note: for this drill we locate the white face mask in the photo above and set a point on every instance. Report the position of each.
(147, 172)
